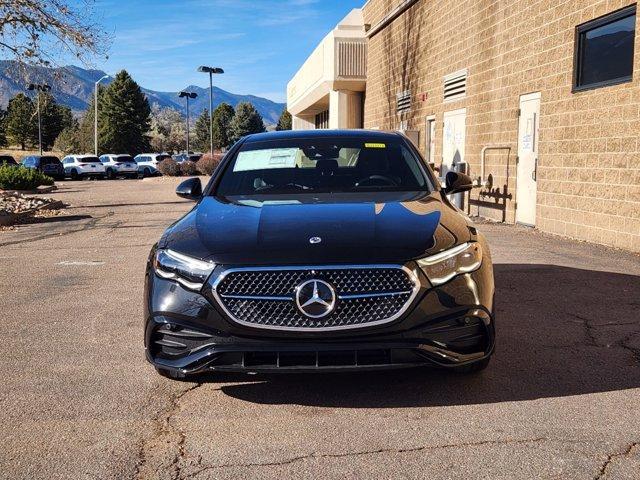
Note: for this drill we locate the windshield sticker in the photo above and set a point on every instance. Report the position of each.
(375, 145)
(266, 159)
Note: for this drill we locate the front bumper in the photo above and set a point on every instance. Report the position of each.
(449, 326)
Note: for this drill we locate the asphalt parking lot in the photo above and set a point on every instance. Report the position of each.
(561, 398)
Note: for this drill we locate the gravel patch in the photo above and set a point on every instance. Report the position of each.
(19, 203)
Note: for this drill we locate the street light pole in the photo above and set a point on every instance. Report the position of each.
(39, 87)
(187, 95)
(210, 71)
(187, 125)
(95, 115)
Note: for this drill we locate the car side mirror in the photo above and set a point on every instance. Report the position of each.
(190, 189)
(456, 182)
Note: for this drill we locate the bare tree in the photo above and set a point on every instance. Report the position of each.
(36, 32)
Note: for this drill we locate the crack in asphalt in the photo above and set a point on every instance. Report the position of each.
(163, 427)
(592, 339)
(316, 455)
(60, 233)
(610, 458)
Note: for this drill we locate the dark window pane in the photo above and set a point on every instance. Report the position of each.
(605, 50)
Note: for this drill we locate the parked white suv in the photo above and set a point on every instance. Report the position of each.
(81, 166)
(116, 165)
(148, 163)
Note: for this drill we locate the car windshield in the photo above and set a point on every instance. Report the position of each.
(124, 158)
(7, 159)
(325, 165)
(160, 158)
(49, 161)
(89, 160)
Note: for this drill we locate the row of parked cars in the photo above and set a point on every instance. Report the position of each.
(106, 166)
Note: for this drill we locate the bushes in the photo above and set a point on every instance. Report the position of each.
(188, 169)
(205, 166)
(208, 163)
(169, 167)
(21, 178)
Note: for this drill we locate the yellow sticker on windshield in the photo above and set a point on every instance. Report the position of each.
(375, 145)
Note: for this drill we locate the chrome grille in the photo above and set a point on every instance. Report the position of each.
(265, 297)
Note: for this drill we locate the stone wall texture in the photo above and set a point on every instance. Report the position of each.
(589, 144)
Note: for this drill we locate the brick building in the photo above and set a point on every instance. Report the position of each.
(539, 100)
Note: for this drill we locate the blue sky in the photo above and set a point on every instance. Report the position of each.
(259, 43)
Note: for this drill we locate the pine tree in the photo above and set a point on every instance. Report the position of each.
(20, 123)
(285, 121)
(222, 117)
(54, 118)
(202, 132)
(246, 121)
(3, 136)
(125, 116)
(67, 120)
(68, 141)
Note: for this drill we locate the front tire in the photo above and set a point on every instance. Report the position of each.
(74, 175)
(146, 173)
(111, 174)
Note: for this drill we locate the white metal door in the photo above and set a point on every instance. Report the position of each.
(453, 139)
(528, 129)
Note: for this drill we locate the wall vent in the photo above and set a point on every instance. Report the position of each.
(351, 59)
(403, 100)
(455, 86)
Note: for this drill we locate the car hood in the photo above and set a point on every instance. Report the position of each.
(252, 232)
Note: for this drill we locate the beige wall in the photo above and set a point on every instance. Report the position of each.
(589, 151)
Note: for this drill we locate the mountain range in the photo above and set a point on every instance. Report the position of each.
(73, 86)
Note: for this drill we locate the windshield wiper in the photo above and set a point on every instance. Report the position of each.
(290, 185)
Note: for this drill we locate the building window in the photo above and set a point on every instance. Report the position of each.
(322, 120)
(604, 50)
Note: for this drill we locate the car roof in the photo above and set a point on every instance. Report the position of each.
(84, 155)
(298, 134)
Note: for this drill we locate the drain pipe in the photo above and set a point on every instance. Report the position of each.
(482, 182)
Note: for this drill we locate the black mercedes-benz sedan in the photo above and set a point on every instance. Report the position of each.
(320, 251)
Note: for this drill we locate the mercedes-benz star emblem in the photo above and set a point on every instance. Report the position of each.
(315, 298)
(314, 240)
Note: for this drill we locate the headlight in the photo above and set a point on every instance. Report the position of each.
(442, 267)
(188, 271)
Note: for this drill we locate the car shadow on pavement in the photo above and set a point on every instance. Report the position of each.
(560, 331)
(55, 219)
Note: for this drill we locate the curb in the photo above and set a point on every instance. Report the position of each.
(12, 218)
(46, 189)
